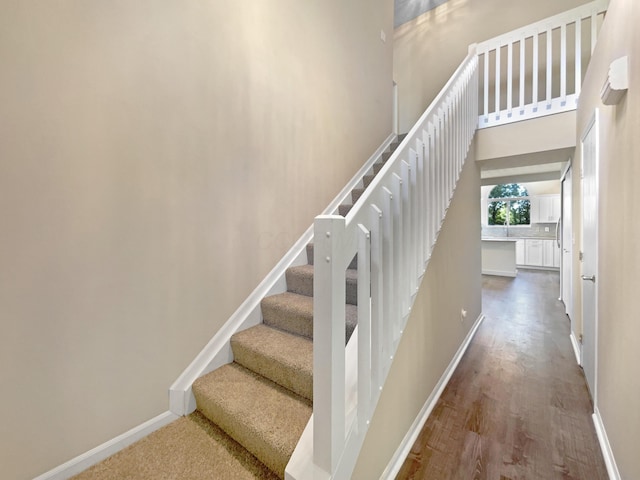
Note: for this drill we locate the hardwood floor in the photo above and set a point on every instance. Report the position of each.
(517, 406)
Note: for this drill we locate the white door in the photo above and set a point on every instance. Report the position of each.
(566, 242)
(589, 259)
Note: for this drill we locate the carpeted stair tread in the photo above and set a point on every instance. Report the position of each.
(282, 357)
(293, 313)
(344, 209)
(377, 167)
(367, 179)
(356, 193)
(262, 416)
(290, 312)
(191, 447)
(300, 281)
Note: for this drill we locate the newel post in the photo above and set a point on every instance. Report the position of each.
(328, 341)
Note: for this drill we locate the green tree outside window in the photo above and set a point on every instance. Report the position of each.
(509, 211)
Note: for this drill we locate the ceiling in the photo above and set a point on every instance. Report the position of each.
(531, 167)
(405, 10)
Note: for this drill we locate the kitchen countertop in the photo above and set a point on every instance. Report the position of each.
(493, 239)
(518, 238)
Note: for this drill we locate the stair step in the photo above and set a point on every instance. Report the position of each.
(300, 281)
(290, 312)
(353, 265)
(293, 313)
(356, 193)
(377, 167)
(282, 357)
(387, 155)
(262, 416)
(367, 179)
(344, 209)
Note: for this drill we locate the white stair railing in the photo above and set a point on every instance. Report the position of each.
(537, 70)
(392, 227)
(530, 72)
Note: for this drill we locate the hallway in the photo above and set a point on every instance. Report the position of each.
(517, 406)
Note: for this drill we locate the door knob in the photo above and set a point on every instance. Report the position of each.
(589, 277)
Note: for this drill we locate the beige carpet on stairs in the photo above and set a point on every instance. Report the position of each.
(191, 448)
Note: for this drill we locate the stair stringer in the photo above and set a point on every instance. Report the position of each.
(217, 352)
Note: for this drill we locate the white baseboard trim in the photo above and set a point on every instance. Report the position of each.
(500, 273)
(607, 453)
(409, 439)
(577, 350)
(217, 352)
(90, 458)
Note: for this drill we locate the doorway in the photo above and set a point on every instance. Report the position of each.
(589, 145)
(566, 245)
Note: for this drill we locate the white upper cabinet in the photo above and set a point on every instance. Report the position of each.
(545, 209)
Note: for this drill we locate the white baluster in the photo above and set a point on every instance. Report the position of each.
(364, 327)
(377, 295)
(578, 56)
(549, 66)
(522, 74)
(486, 85)
(497, 85)
(534, 73)
(509, 79)
(563, 64)
(389, 242)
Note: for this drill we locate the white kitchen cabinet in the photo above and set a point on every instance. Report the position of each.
(548, 247)
(533, 252)
(545, 209)
(520, 252)
(557, 257)
(539, 253)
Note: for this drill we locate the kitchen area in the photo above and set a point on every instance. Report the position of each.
(520, 227)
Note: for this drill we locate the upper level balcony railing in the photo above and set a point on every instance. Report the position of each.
(537, 70)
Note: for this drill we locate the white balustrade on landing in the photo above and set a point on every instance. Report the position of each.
(392, 228)
(539, 51)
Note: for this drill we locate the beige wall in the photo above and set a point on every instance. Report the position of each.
(434, 331)
(427, 50)
(618, 257)
(157, 158)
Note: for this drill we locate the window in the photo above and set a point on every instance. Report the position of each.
(509, 205)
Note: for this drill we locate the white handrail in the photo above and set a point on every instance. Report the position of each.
(392, 228)
(394, 224)
(521, 99)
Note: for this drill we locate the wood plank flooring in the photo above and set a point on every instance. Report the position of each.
(517, 407)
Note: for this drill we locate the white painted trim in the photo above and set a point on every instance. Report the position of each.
(218, 351)
(594, 123)
(500, 273)
(577, 350)
(90, 458)
(409, 439)
(605, 446)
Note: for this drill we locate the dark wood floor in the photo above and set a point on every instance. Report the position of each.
(517, 406)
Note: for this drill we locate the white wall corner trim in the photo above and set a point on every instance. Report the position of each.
(607, 453)
(576, 348)
(90, 458)
(407, 442)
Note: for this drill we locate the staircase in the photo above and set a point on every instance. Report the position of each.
(263, 399)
